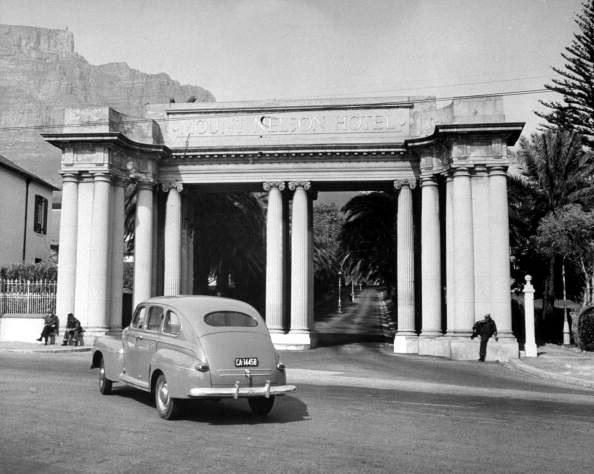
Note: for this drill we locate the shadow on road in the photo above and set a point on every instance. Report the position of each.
(287, 409)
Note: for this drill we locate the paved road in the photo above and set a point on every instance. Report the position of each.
(420, 415)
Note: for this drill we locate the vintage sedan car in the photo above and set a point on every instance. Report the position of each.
(193, 347)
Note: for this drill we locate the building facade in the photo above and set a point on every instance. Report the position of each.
(25, 215)
(446, 165)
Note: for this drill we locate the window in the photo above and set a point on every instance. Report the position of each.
(139, 318)
(155, 318)
(40, 218)
(172, 325)
(230, 318)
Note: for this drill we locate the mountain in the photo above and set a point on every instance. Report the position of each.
(41, 74)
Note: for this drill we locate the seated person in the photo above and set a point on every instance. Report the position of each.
(50, 328)
(73, 331)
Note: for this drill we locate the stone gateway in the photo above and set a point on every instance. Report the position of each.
(453, 159)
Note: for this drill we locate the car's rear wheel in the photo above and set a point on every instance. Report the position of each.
(261, 406)
(105, 384)
(167, 407)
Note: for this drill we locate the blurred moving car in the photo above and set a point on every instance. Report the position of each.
(193, 347)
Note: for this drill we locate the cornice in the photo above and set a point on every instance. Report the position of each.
(62, 140)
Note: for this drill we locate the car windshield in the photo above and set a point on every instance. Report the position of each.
(230, 319)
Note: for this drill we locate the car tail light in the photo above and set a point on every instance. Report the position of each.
(280, 366)
(201, 366)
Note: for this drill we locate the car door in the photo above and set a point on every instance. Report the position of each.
(147, 344)
(131, 336)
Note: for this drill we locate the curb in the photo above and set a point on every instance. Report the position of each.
(523, 367)
(47, 351)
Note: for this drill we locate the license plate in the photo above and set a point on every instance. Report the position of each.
(246, 362)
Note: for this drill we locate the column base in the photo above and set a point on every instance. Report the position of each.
(437, 346)
(406, 344)
(293, 340)
(468, 349)
(530, 350)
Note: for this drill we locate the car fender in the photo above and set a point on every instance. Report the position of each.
(111, 350)
(180, 370)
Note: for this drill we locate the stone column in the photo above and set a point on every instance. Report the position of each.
(274, 258)
(143, 242)
(173, 240)
(117, 254)
(450, 264)
(405, 340)
(463, 253)
(500, 265)
(300, 331)
(430, 258)
(480, 219)
(83, 249)
(99, 286)
(67, 255)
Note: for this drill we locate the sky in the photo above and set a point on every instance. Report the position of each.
(292, 49)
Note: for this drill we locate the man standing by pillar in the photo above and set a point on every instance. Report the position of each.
(484, 328)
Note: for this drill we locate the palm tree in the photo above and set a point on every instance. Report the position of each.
(367, 238)
(557, 170)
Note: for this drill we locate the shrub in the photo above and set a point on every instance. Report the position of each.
(33, 271)
(585, 329)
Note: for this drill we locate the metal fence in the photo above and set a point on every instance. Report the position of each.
(27, 297)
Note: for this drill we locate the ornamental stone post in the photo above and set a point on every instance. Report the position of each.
(530, 344)
(172, 271)
(274, 258)
(405, 340)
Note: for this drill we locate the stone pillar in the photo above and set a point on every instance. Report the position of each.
(530, 349)
(67, 251)
(173, 240)
(300, 332)
(463, 253)
(143, 242)
(99, 286)
(430, 258)
(117, 254)
(480, 219)
(500, 264)
(83, 249)
(450, 264)
(274, 259)
(406, 339)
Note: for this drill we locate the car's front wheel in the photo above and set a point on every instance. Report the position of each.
(261, 406)
(104, 383)
(167, 407)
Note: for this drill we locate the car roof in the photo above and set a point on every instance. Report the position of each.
(194, 307)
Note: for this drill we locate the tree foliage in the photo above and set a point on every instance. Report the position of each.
(576, 81)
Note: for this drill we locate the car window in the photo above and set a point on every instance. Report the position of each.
(155, 318)
(172, 325)
(230, 319)
(139, 318)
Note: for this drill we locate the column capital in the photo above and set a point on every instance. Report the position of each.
(460, 171)
(428, 180)
(178, 186)
(268, 185)
(293, 185)
(70, 176)
(410, 182)
(497, 170)
(104, 176)
(147, 185)
(480, 170)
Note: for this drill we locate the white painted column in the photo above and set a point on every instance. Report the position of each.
(530, 349)
(463, 253)
(117, 254)
(83, 249)
(405, 340)
(99, 286)
(450, 264)
(430, 258)
(65, 296)
(299, 332)
(143, 242)
(480, 219)
(274, 258)
(500, 264)
(172, 271)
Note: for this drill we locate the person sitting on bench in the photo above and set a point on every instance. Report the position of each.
(73, 331)
(50, 328)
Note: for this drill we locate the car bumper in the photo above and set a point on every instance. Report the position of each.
(238, 391)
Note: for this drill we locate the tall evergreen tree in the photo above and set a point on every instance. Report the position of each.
(576, 82)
